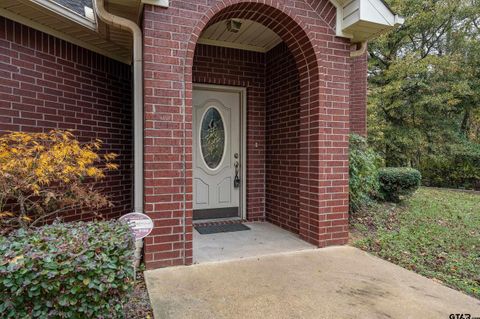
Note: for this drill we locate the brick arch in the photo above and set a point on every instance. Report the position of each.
(322, 59)
(293, 31)
(295, 34)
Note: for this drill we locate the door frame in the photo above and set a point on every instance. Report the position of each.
(243, 135)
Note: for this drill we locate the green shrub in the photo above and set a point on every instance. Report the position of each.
(363, 168)
(396, 182)
(75, 270)
(457, 166)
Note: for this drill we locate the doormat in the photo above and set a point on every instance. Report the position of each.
(226, 228)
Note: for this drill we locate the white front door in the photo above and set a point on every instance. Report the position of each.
(216, 153)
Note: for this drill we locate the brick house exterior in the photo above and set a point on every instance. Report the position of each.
(324, 78)
(303, 97)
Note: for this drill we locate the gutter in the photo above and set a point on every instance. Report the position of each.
(128, 25)
(361, 51)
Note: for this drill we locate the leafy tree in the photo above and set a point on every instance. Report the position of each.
(424, 97)
(45, 174)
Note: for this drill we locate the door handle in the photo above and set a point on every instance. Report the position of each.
(236, 180)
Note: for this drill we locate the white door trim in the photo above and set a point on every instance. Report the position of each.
(243, 136)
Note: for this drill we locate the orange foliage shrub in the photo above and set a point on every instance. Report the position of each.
(45, 174)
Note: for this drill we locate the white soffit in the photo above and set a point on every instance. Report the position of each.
(251, 36)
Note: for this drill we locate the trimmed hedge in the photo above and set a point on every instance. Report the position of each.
(396, 182)
(75, 270)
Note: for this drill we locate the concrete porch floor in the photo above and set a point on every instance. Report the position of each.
(262, 239)
(336, 282)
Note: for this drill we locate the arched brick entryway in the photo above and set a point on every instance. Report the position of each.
(324, 69)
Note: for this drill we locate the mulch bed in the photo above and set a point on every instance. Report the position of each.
(138, 306)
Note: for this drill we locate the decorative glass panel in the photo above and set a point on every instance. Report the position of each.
(212, 137)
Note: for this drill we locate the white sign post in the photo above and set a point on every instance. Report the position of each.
(141, 226)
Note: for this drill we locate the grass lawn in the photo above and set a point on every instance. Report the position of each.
(435, 233)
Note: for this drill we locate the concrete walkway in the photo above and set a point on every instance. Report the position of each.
(262, 239)
(338, 282)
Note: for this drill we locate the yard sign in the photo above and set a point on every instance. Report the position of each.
(141, 224)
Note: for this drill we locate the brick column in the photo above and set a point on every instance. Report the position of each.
(167, 139)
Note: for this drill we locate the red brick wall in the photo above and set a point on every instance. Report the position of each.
(358, 95)
(283, 137)
(224, 66)
(170, 37)
(47, 83)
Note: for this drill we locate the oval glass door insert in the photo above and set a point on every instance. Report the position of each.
(212, 137)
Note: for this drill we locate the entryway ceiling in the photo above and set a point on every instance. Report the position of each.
(251, 36)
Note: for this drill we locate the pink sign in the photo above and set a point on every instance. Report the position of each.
(140, 223)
